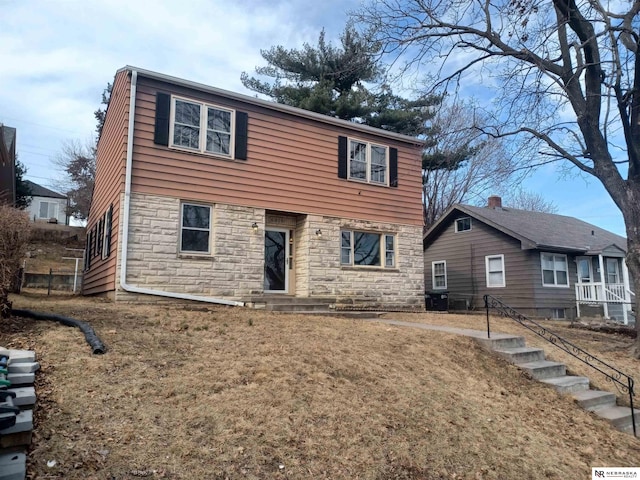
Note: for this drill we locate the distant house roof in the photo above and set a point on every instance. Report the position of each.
(536, 230)
(40, 191)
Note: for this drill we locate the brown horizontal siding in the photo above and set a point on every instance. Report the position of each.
(553, 297)
(292, 165)
(465, 254)
(110, 177)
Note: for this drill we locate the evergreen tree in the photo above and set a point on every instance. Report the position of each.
(23, 191)
(345, 82)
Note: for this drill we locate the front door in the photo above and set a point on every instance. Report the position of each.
(585, 270)
(276, 257)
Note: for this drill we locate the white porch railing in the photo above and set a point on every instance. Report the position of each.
(600, 292)
(605, 294)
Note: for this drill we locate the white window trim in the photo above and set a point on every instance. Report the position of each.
(368, 157)
(504, 271)
(433, 275)
(555, 277)
(383, 250)
(202, 143)
(210, 230)
(463, 218)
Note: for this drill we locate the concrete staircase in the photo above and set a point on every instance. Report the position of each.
(532, 361)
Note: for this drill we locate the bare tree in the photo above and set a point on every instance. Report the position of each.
(567, 75)
(526, 200)
(462, 165)
(78, 162)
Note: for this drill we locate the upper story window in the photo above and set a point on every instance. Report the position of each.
(367, 249)
(463, 224)
(368, 162)
(554, 270)
(195, 231)
(202, 127)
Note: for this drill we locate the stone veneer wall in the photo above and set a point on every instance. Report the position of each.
(233, 270)
(301, 256)
(366, 287)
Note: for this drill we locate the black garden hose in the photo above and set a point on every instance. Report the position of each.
(92, 339)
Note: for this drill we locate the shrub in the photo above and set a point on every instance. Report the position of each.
(14, 235)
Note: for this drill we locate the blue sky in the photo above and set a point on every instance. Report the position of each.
(57, 57)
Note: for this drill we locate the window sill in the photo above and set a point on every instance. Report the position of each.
(194, 256)
(364, 182)
(369, 269)
(218, 156)
(555, 286)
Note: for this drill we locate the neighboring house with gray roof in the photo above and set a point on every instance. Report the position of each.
(7, 165)
(47, 205)
(541, 264)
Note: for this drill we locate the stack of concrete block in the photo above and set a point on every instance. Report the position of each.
(17, 399)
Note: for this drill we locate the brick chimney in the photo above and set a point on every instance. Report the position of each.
(495, 202)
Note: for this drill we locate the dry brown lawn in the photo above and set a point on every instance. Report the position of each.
(191, 392)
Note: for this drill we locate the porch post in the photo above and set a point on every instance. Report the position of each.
(627, 295)
(605, 306)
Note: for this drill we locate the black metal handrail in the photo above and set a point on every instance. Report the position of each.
(623, 382)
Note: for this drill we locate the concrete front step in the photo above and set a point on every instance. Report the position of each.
(296, 307)
(568, 383)
(594, 399)
(501, 342)
(355, 314)
(520, 355)
(620, 417)
(544, 369)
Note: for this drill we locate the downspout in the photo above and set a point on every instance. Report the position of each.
(125, 220)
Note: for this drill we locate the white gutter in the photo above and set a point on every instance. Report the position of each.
(125, 220)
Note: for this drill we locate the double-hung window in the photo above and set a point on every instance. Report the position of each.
(439, 274)
(47, 210)
(368, 162)
(367, 249)
(495, 271)
(554, 270)
(195, 231)
(202, 127)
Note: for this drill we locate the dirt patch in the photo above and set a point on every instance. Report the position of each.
(230, 393)
(606, 328)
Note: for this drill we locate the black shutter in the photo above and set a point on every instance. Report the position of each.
(342, 157)
(99, 241)
(163, 109)
(393, 167)
(107, 246)
(242, 128)
(88, 251)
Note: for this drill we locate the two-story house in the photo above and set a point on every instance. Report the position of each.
(205, 194)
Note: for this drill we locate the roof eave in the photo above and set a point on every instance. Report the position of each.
(272, 105)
